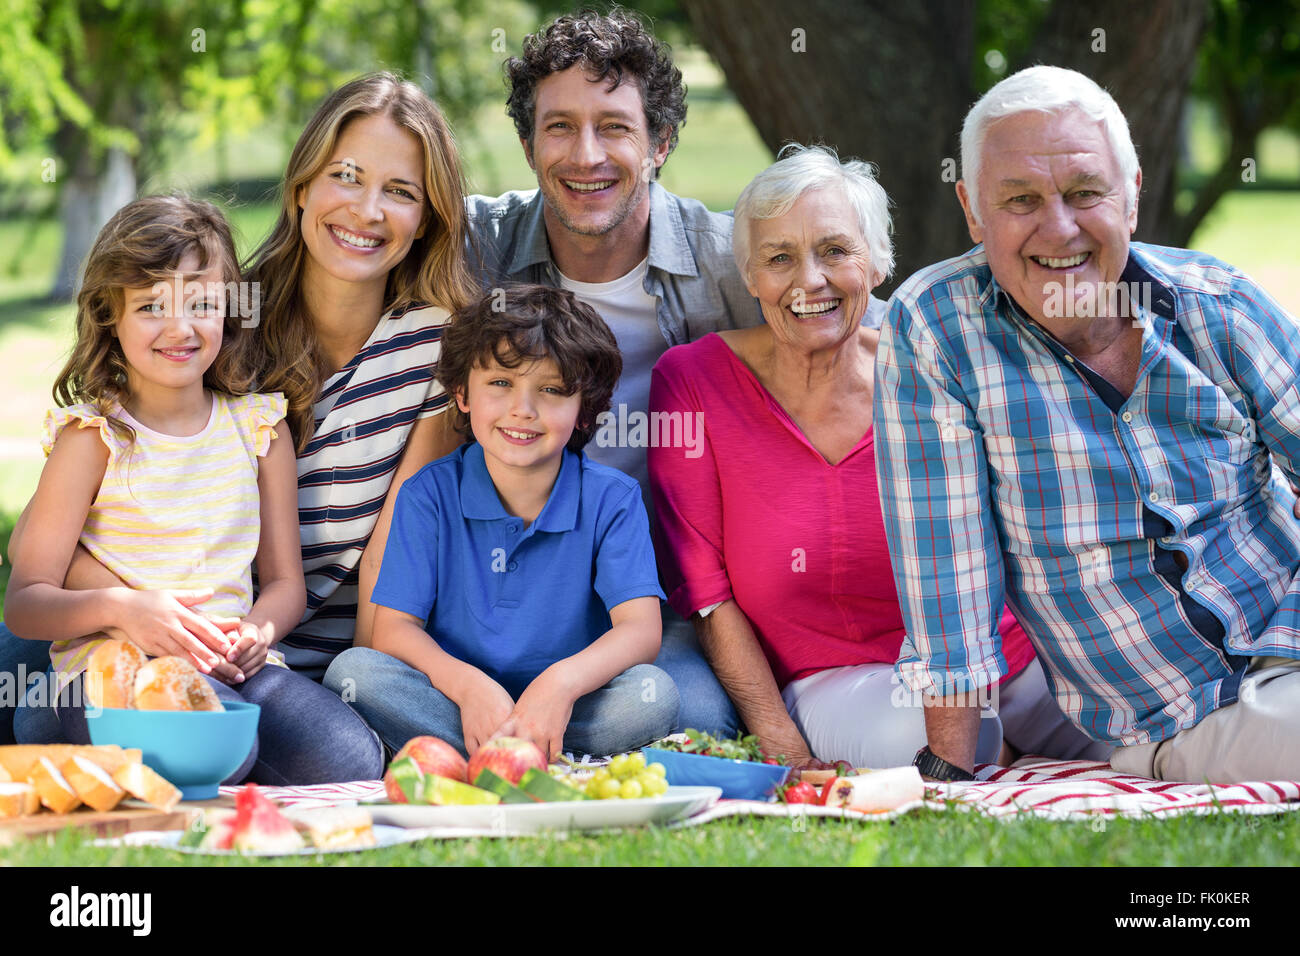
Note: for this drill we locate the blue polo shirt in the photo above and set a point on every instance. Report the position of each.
(508, 599)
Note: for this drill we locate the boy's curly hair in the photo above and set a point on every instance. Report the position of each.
(519, 324)
(616, 45)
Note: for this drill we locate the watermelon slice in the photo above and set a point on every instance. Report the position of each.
(259, 825)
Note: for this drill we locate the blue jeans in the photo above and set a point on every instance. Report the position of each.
(19, 660)
(638, 706)
(305, 734)
(705, 705)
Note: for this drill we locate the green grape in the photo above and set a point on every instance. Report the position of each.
(636, 761)
(618, 766)
(609, 789)
(658, 769)
(630, 790)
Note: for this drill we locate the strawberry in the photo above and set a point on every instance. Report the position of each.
(801, 792)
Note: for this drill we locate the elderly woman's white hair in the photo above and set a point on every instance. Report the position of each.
(1046, 89)
(801, 169)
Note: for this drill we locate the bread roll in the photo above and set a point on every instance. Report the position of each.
(173, 683)
(110, 674)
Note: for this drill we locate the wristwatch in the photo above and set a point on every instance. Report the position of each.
(938, 768)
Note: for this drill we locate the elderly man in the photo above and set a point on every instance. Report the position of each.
(597, 104)
(1087, 426)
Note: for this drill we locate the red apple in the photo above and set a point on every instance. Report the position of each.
(507, 757)
(433, 756)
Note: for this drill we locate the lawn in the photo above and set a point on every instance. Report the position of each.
(949, 838)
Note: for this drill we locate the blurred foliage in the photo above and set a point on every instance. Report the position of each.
(80, 76)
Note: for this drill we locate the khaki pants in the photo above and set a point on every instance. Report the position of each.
(1257, 738)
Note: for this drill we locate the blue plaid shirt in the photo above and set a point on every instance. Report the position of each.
(1147, 544)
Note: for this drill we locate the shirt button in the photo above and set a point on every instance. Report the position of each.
(514, 528)
(1153, 497)
(512, 566)
(1167, 539)
(1127, 417)
(1070, 359)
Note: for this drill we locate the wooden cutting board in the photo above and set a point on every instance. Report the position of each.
(128, 818)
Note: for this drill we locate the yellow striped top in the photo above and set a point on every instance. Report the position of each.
(179, 512)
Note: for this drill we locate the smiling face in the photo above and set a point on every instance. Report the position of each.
(810, 271)
(1052, 205)
(169, 341)
(592, 152)
(367, 205)
(523, 417)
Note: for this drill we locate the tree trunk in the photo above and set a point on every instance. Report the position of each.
(885, 82)
(93, 192)
(891, 82)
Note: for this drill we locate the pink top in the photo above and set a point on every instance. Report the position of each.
(748, 509)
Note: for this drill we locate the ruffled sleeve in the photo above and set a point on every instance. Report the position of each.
(85, 416)
(257, 415)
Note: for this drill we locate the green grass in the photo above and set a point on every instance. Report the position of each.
(919, 839)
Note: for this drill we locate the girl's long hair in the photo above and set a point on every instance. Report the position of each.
(143, 244)
(433, 272)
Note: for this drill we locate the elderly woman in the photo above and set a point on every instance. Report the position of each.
(773, 542)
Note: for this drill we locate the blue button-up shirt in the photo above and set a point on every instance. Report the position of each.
(512, 600)
(1004, 472)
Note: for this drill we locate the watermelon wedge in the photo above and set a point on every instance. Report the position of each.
(260, 826)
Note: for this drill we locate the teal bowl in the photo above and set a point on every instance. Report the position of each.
(194, 749)
(739, 779)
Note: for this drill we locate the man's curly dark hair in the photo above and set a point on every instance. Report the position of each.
(609, 46)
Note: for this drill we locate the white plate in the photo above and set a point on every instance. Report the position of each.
(515, 818)
(169, 840)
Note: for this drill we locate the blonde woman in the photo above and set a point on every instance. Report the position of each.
(357, 279)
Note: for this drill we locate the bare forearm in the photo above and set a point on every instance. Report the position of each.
(42, 612)
(952, 729)
(624, 645)
(85, 573)
(279, 608)
(399, 636)
(733, 651)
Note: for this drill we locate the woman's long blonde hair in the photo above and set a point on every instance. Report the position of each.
(433, 272)
(143, 244)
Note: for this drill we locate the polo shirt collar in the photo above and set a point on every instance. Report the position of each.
(670, 250)
(479, 499)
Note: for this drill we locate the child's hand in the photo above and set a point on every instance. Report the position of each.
(251, 643)
(161, 623)
(483, 712)
(541, 714)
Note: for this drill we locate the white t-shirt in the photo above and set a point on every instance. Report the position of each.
(632, 315)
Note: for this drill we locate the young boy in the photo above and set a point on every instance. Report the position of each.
(531, 564)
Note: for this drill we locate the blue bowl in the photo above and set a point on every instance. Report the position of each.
(195, 750)
(739, 779)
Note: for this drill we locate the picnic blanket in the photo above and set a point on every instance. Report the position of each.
(1048, 789)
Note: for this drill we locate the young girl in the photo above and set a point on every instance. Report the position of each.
(160, 463)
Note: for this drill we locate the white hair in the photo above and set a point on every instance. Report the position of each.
(800, 169)
(1046, 89)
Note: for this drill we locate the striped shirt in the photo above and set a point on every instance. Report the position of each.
(363, 416)
(175, 512)
(1004, 470)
